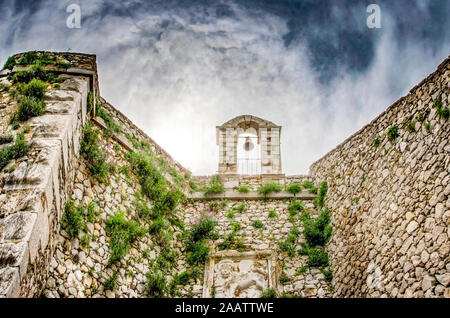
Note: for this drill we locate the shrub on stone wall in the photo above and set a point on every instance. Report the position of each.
(258, 224)
(322, 192)
(310, 187)
(268, 188)
(295, 207)
(17, 150)
(35, 88)
(10, 63)
(294, 188)
(156, 285)
(111, 282)
(243, 189)
(269, 293)
(94, 154)
(289, 245)
(443, 112)
(317, 257)
(376, 142)
(215, 186)
(392, 133)
(29, 107)
(318, 232)
(73, 219)
(111, 124)
(197, 250)
(122, 233)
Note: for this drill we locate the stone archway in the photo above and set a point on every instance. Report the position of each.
(267, 137)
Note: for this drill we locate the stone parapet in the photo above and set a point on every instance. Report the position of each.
(389, 199)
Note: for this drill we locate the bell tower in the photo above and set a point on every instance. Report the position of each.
(249, 145)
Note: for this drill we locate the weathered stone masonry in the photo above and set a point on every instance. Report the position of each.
(33, 195)
(390, 204)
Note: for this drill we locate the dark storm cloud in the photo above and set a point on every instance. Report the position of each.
(179, 68)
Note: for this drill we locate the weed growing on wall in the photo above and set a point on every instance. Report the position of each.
(231, 241)
(317, 257)
(295, 207)
(29, 107)
(10, 63)
(410, 126)
(215, 186)
(122, 233)
(269, 293)
(197, 250)
(33, 58)
(318, 232)
(392, 133)
(258, 224)
(243, 189)
(94, 154)
(30, 97)
(294, 188)
(310, 187)
(73, 219)
(156, 285)
(112, 126)
(268, 188)
(35, 88)
(17, 150)
(443, 112)
(376, 142)
(111, 282)
(90, 102)
(322, 192)
(289, 245)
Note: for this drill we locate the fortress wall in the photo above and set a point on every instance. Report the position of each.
(309, 283)
(390, 204)
(254, 182)
(32, 197)
(34, 248)
(128, 128)
(80, 269)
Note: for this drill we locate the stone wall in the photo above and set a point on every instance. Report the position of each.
(309, 283)
(253, 181)
(33, 188)
(129, 129)
(390, 202)
(80, 267)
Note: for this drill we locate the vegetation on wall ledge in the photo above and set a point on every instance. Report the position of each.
(215, 186)
(94, 154)
(17, 150)
(243, 189)
(310, 187)
(112, 126)
(268, 188)
(294, 188)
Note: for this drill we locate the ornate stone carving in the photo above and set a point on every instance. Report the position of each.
(243, 275)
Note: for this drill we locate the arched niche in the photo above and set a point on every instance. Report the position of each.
(263, 135)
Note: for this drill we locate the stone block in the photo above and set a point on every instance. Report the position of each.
(9, 282)
(15, 255)
(39, 236)
(17, 227)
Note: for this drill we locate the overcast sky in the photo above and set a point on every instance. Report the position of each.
(178, 69)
